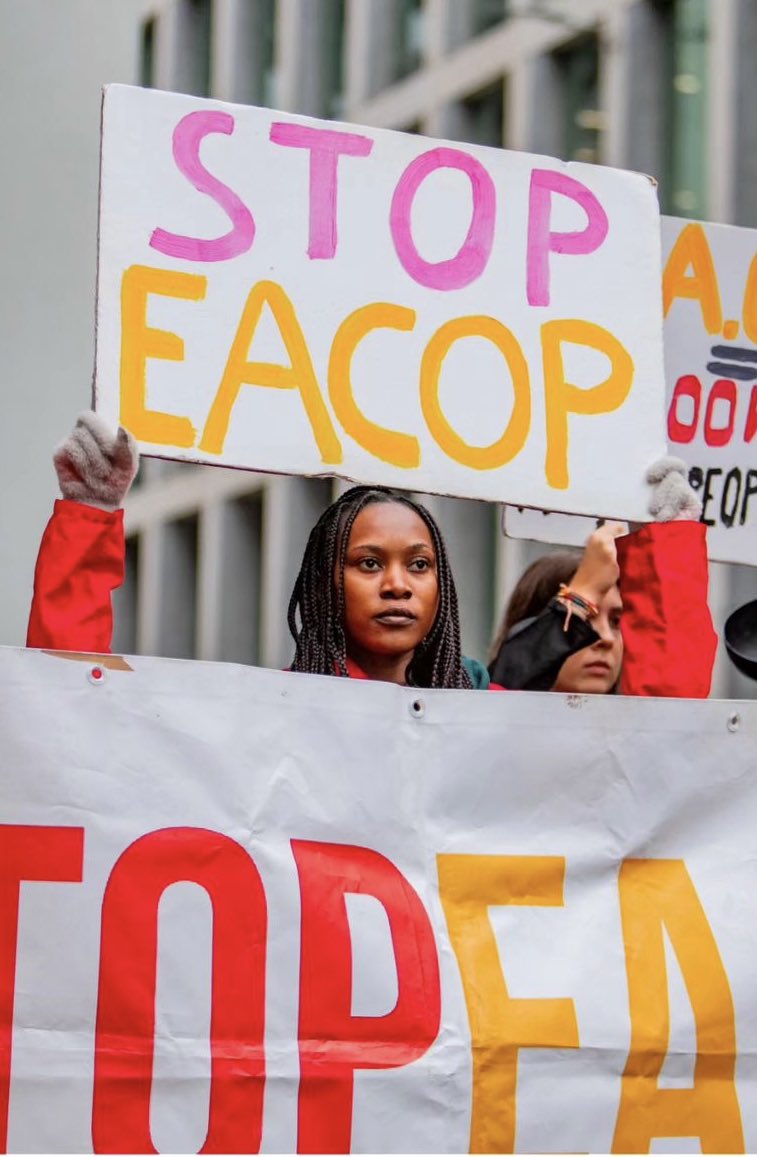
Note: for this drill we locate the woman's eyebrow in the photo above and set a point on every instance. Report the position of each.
(410, 549)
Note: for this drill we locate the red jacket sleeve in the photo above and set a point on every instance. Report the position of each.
(80, 564)
(668, 635)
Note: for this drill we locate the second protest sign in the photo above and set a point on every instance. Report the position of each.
(710, 304)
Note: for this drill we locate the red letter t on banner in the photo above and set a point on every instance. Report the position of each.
(124, 1041)
(26, 853)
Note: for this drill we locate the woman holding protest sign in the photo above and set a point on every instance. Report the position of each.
(635, 604)
(374, 599)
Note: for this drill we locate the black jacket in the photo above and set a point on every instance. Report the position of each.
(533, 653)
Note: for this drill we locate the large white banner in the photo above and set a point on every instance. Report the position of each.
(710, 335)
(244, 908)
(286, 294)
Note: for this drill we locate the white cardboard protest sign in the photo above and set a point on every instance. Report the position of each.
(710, 338)
(711, 368)
(309, 914)
(285, 294)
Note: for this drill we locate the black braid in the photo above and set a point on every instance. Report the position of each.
(320, 642)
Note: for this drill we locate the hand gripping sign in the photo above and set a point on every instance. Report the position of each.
(284, 294)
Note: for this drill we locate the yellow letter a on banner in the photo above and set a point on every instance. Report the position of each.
(653, 894)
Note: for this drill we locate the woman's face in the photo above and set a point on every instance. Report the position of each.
(595, 670)
(391, 589)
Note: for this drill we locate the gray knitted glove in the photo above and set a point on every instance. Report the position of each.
(94, 465)
(672, 498)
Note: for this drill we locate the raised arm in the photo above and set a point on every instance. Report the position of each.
(669, 639)
(532, 654)
(81, 556)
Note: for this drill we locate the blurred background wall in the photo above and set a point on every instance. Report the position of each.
(664, 86)
(54, 57)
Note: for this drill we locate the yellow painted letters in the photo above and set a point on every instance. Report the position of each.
(500, 1025)
(656, 894)
(299, 375)
(139, 341)
(502, 451)
(562, 398)
(389, 445)
(692, 250)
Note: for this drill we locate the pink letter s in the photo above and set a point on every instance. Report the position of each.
(187, 137)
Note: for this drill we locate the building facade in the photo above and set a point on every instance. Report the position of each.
(662, 86)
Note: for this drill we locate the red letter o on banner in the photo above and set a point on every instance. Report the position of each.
(688, 386)
(124, 1040)
(333, 1042)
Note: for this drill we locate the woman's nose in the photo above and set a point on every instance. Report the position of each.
(395, 584)
(601, 625)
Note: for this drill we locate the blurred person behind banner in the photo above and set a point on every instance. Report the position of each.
(633, 607)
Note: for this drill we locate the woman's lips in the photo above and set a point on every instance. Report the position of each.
(395, 618)
(598, 667)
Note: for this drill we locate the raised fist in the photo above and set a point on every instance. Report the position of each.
(94, 465)
(672, 498)
(598, 569)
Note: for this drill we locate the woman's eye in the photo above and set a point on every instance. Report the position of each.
(420, 564)
(369, 564)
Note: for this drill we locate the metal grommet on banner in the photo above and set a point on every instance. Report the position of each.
(417, 708)
(734, 722)
(96, 674)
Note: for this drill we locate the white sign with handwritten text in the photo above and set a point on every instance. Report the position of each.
(280, 293)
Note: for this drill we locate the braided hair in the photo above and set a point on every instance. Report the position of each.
(320, 641)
